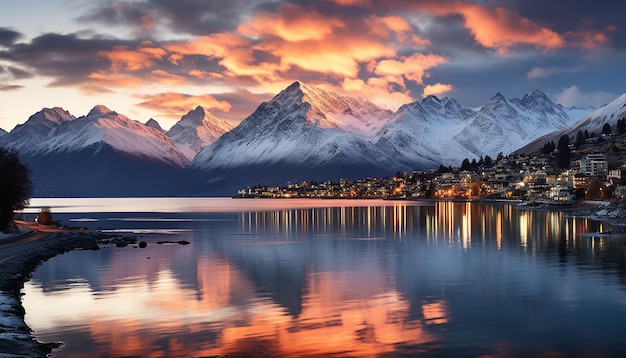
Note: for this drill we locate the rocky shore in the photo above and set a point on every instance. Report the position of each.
(17, 263)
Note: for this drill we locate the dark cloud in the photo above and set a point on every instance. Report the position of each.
(8, 88)
(8, 36)
(568, 15)
(67, 58)
(20, 74)
(198, 17)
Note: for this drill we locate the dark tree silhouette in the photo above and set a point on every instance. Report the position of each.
(465, 165)
(580, 139)
(563, 152)
(15, 186)
(488, 161)
(606, 129)
(621, 126)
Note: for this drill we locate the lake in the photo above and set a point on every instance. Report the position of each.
(344, 278)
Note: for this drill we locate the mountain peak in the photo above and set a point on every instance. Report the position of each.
(152, 123)
(197, 129)
(497, 97)
(537, 93)
(196, 116)
(99, 110)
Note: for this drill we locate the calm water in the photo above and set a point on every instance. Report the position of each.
(331, 278)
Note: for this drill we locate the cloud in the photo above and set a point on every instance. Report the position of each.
(361, 3)
(412, 68)
(10, 88)
(8, 36)
(174, 105)
(573, 96)
(436, 89)
(68, 59)
(196, 17)
(123, 58)
(291, 23)
(544, 72)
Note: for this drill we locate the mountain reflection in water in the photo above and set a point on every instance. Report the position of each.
(364, 278)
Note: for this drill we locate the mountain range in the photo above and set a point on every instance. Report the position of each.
(303, 133)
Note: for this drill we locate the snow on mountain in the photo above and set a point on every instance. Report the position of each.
(197, 129)
(303, 133)
(37, 129)
(101, 154)
(592, 123)
(437, 131)
(152, 123)
(102, 125)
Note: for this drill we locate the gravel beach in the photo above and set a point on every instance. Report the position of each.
(19, 257)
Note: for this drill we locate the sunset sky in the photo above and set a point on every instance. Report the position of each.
(160, 58)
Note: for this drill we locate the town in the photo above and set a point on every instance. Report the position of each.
(591, 168)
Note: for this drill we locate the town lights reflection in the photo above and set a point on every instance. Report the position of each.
(398, 219)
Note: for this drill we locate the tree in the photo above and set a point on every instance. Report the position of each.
(548, 148)
(621, 126)
(488, 161)
(465, 165)
(606, 129)
(15, 186)
(580, 139)
(563, 152)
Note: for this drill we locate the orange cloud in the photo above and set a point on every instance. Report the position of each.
(383, 28)
(362, 3)
(396, 23)
(292, 23)
(340, 57)
(204, 75)
(174, 105)
(102, 79)
(376, 90)
(497, 27)
(412, 68)
(436, 89)
(164, 77)
(123, 58)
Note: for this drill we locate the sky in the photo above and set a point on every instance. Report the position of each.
(161, 58)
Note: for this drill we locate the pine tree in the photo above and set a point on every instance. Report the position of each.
(606, 129)
(621, 126)
(563, 153)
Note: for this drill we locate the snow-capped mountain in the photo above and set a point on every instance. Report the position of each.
(307, 133)
(39, 127)
(438, 131)
(152, 123)
(101, 154)
(197, 129)
(303, 133)
(592, 123)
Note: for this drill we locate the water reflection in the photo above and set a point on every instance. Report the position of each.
(434, 279)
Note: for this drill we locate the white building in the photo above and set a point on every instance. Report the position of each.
(594, 165)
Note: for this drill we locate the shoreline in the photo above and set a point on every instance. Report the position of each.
(19, 258)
